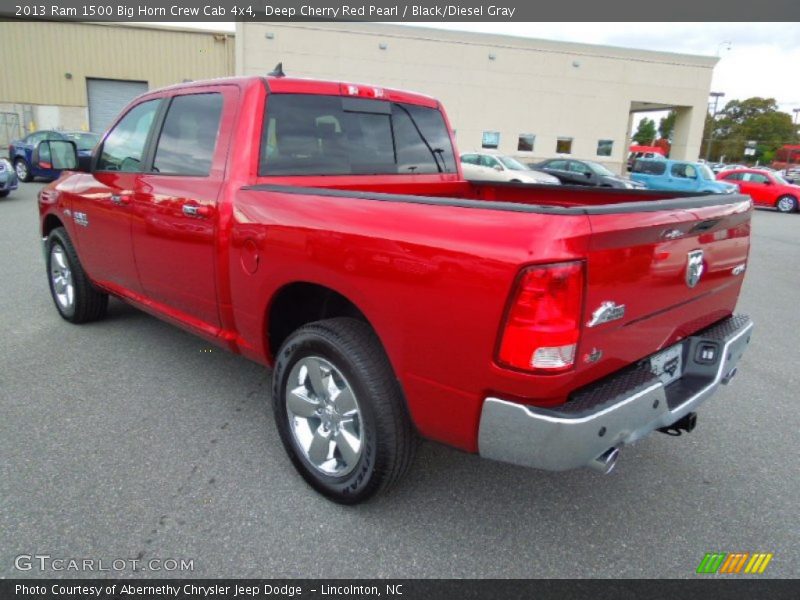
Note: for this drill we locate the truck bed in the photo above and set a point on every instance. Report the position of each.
(562, 199)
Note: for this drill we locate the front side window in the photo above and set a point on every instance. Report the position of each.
(123, 149)
(512, 164)
(580, 168)
(189, 135)
(733, 177)
(564, 145)
(470, 159)
(684, 171)
(489, 161)
(758, 178)
(334, 135)
(526, 142)
(558, 165)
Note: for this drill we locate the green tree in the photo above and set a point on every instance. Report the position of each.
(753, 119)
(667, 125)
(645, 132)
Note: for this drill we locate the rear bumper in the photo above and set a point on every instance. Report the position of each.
(614, 411)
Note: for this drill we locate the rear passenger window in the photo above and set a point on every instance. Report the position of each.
(650, 167)
(189, 135)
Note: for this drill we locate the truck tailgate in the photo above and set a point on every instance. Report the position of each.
(656, 277)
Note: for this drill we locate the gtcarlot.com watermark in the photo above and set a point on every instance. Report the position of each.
(46, 562)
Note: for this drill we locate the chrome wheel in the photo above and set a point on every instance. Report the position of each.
(21, 167)
(786, 204)
(324, 416)
(61, 278)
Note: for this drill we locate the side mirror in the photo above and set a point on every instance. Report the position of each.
(497, 168)
(767, 182)
(59, 155)
(587, 174)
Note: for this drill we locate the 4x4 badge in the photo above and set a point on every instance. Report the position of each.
(694, 268)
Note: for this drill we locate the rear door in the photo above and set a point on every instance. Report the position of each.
(102, 211)
(176, 212)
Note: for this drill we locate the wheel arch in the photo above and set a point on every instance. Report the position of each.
(50, 223)
(300, 302)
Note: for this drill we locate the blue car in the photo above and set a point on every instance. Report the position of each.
(679, 176)
(20, 152)
(8, 178)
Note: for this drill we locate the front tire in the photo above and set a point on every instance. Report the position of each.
(4, 193)
(23, 170)
(76, 299)
(786, 204)
(340, 412)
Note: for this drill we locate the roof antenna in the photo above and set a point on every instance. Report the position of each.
(277, 71)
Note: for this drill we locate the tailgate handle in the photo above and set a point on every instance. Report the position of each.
(704, 226)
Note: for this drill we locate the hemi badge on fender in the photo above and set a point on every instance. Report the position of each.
(739, 269)
(607, 311)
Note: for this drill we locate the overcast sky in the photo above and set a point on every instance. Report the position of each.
(757, 59)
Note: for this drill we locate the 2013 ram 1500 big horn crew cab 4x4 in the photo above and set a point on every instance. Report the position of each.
(325, 229)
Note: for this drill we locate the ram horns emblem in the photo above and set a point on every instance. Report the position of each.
(694, 268)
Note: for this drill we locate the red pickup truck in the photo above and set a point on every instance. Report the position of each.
(324, 229)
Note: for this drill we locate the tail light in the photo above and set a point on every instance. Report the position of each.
(542, 325)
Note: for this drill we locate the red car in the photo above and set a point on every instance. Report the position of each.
(325, 230)
(766, 188)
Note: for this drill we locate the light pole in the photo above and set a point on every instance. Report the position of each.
(796, 112)
(716, 96)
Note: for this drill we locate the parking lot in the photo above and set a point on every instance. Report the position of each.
(129, 438)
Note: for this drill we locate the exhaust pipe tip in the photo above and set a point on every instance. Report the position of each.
(606, 462)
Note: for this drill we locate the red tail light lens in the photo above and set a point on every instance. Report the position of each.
(543, 322)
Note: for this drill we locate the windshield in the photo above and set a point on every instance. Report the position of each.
(511, 163)
(600, 169)
(780, 178)
(84, 141)
(333, 135)
(705, 172)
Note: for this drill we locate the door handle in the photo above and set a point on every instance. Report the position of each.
(120, 199)
(193, 210)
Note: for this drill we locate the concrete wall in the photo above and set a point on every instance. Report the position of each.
(46, 64)
(496, 83)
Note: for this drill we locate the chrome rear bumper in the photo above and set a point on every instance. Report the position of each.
(614, 411)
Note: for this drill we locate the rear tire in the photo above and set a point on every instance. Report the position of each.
(786, 204)
(4, 193)
(76, 299)
(23, 170)
(340, 411)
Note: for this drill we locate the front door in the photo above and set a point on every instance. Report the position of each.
(102, 209)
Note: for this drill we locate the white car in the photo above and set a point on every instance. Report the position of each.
(481, 166)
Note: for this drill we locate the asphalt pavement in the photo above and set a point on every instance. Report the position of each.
(131, 439)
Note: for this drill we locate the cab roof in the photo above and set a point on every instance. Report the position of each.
(298, 85)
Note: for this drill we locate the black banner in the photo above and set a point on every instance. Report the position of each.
(402, 11)
(265, 589)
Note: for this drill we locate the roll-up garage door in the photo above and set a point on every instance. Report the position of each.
(107, 97)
